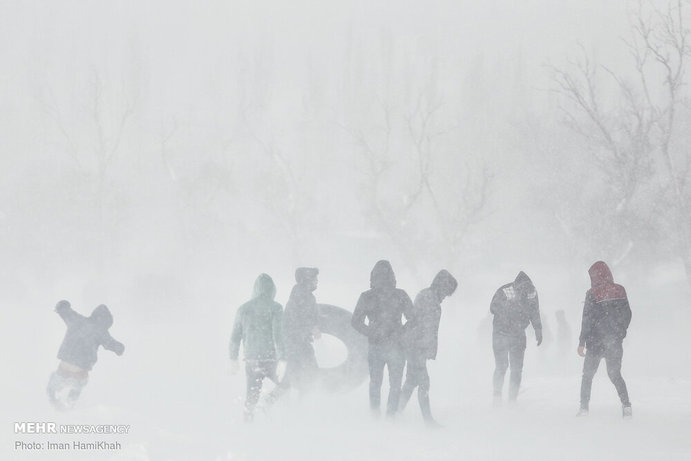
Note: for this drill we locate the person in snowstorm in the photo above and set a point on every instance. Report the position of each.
(383, 307)
(420, 339)
(300, 329)
(78, 352)
(514, 306)
(606, 317)
(258, 326)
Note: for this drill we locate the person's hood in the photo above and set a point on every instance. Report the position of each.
(522, 279)
(264, 287)
(102, 316)
(523, 284)
(63, 304)
(600, 274)
(382, 275)
(444, 284)
(304, 275)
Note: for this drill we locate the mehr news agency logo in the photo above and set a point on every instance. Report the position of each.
(50, 428)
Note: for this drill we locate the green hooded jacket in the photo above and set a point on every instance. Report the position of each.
(258, 324)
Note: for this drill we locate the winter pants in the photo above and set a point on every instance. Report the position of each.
(612, 353)
(59, 382)
(256, 371)
(417, 376)
(301, 369)
(508, 351)
(301, 372)
(390, 355)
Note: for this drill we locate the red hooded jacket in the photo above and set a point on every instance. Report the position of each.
(606, 312)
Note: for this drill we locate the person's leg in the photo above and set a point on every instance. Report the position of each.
(376, 376)
(254, 386)
(411, 381)
(284, 385)
(590, 365)
(55, 384)
(395, 363)
(77, 383)
(268, 370)
(501, 361)
(310, 370)
(516, 354)
(613, 356)
(423, 394)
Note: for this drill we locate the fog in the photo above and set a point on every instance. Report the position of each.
(157, 156)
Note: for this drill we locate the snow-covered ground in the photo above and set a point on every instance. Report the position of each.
(173, 387)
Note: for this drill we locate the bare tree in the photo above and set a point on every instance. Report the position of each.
(429, 216)
(459, 198)
(93, 126)
(636, 144)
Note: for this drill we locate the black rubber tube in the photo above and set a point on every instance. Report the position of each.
(335, 321)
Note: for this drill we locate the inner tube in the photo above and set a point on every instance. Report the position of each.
(335, 321)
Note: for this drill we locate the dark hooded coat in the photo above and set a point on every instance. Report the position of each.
(85, 334)
(606, 312)
(515, 306)
(421, 331)
(301, 314)
(258, 324)
(383, 306)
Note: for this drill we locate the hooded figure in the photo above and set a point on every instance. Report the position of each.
(300, 328)
(301, 318)
(258, 326)
(606, 318)
(79, 350)
(383, 306)
(421, 338)
(514, 306)
(85, 334)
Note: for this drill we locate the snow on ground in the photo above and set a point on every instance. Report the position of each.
(174, 388)
(541, 425)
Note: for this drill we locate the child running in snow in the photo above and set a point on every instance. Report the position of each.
(78, 352)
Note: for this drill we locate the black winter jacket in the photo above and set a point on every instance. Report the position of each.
(606, 312)
(421, 331)
(85, 334)
(383, 306)
(515, 306)
(299, 320)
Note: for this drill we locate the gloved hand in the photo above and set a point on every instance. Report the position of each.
(119, 349)
(581, 351)
(538, 337)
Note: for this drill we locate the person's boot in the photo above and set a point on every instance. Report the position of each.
(496, 400)
(427, 411)
(432, 423)
(51, 389)
(626, 411)
(583, 411)
(375, 412)
(513, 393)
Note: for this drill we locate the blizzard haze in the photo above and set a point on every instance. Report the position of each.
(158, 156)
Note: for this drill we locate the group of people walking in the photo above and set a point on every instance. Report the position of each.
(402, 335)
(269, 335)
(606, 318)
